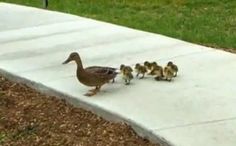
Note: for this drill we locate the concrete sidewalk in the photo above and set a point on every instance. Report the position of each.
(197, 109)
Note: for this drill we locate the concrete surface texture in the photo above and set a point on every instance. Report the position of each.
(197, 109)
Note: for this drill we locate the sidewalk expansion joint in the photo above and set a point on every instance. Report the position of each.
(196, 124)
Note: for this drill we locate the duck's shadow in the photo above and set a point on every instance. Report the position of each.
(114, 88)
(119, 87)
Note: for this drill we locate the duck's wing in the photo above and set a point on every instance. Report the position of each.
(107, 73)
(101, 70)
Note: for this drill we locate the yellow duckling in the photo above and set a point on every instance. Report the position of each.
(127, 74)
(173, 67)
(168, 73)
(157, 70)
(148, 65)
(154, 67)
(153, 64)
(140, 70)
(122, 66)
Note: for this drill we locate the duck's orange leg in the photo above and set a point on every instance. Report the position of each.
(93, 91)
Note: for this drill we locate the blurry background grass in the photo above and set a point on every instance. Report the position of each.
(208, 22)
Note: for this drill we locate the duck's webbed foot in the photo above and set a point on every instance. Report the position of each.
(93, 91)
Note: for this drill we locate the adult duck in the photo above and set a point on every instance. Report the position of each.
(94, 76)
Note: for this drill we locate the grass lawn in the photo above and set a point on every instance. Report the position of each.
(207, 22)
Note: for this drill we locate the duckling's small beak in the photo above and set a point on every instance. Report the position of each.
(67, 61)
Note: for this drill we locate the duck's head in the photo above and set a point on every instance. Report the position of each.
(73, 57)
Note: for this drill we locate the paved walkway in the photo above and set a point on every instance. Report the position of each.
(197, 109)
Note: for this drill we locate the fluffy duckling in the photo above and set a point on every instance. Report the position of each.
(127, 74)
(157, 70)
(153, 64)
(168, 73)
(173, 67)
(122, 66)
(148, 65)
(140, 70)
(129, 68)
(154, 67)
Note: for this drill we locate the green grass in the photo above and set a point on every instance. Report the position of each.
(207, 22)
(2, 137)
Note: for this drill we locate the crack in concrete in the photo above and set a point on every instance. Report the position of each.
(38, 25)
(98, 44)
(195, 124)
(188, 54)
(48, 35)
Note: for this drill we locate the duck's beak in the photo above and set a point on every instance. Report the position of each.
(67, 61)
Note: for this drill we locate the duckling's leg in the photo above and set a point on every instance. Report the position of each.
(158, 78)
(151, 72)
(127, 82)
(137, 74)
(142, 76)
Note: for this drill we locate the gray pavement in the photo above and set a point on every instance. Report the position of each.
(197, 109)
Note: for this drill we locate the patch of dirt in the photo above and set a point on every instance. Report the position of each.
(29, 118)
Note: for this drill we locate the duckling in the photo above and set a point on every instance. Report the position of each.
(168, 73)
(140, 70)
(154, 67)
(157, 71)
(148, 65)
(127, 74)
(129, 68)
(153, 64)
(122, 66)
(173, 67)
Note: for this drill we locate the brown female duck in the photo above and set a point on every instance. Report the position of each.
(94, 76)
